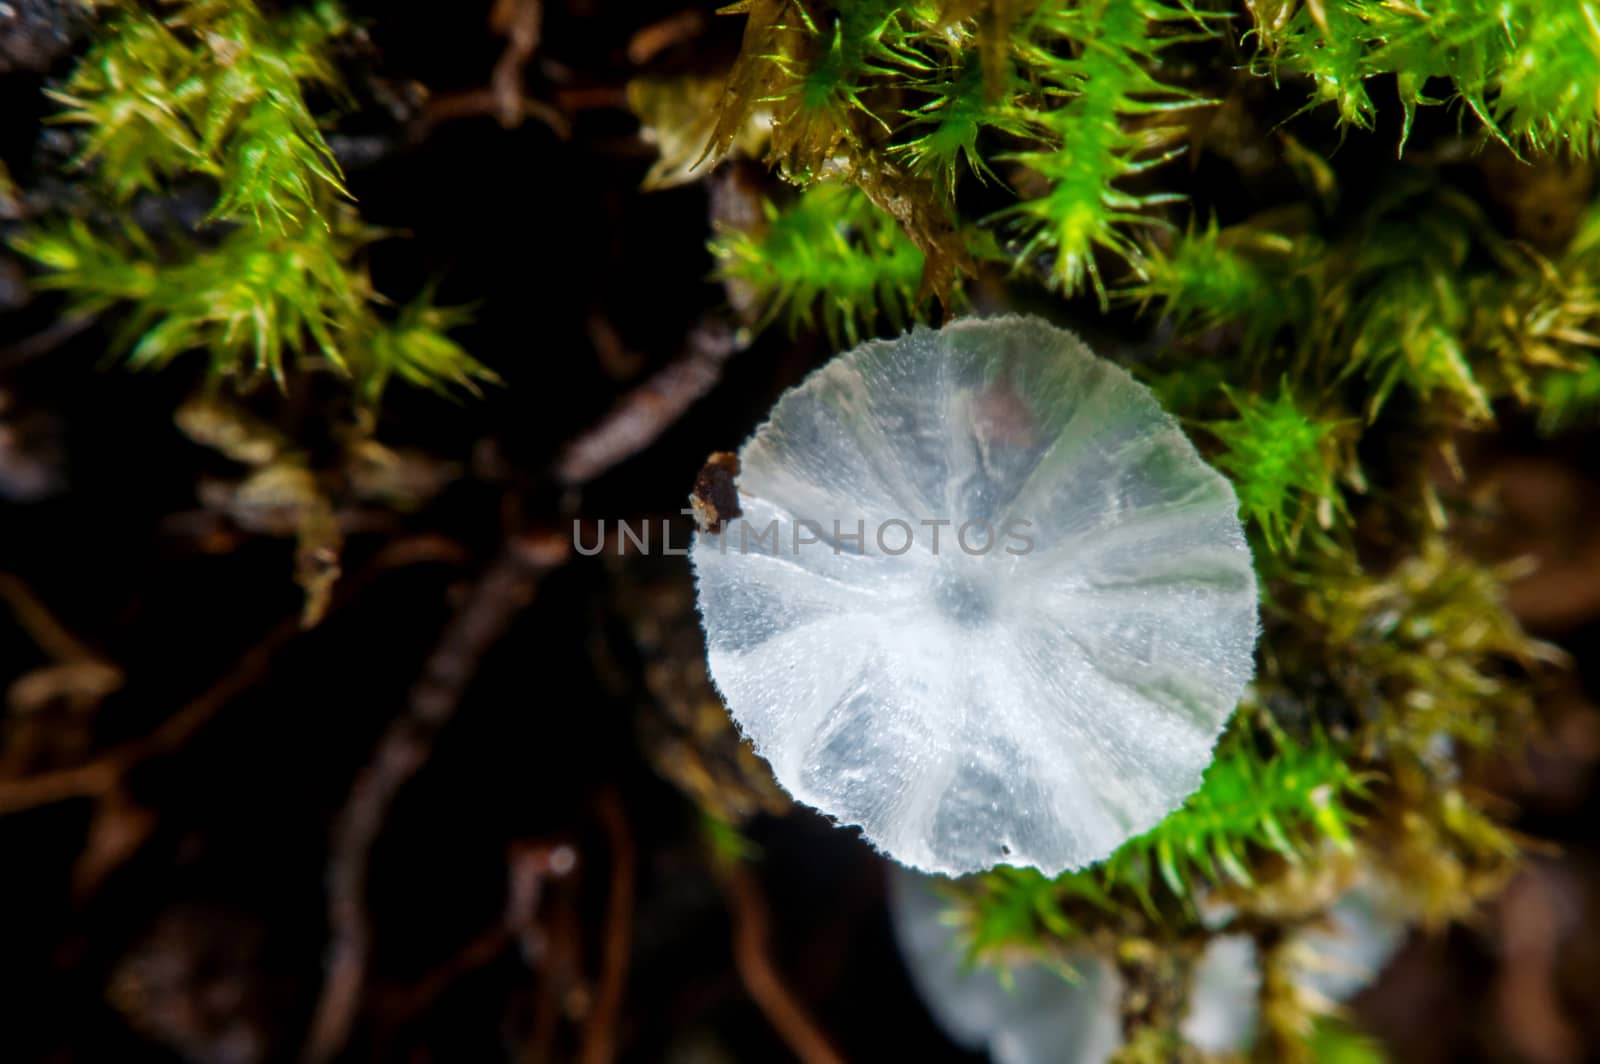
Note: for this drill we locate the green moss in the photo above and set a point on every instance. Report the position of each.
(1335, 1041)
(1264, 794)
(831, 258)
(256, 306)
(217, 90)
(1277, 455)
(1101, 119)
(1528, 70)
(1071, 82)
(940, 138)
(214, 89)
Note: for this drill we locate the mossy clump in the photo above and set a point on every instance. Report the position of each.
(271, 279)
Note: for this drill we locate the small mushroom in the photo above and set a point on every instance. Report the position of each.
(1023, 1009)
(984, 600)
(1020, 1010)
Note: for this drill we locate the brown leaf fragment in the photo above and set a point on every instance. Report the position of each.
(775, 28)
(716, 499)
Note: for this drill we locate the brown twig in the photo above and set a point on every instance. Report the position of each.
(616, 360)
(46, 340)
(666, 33)
(519, 22)
(643, 414)
(82, 781)
(471, 103)
(561, 981)
(99, 776)
(532, 867)
(42, 627)
(503, 591)
(600, 1028)
(119, 829)
(105, 772)
(777, 1002)
(529, 868)
(78, 672)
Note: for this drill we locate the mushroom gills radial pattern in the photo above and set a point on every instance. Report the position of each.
(985, 600)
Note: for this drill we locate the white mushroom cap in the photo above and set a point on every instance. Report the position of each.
(1021, 1012)
(1036, 703)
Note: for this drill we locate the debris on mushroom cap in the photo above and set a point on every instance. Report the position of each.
(716, 499)
(984, 600)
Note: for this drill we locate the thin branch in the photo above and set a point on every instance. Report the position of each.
(504, 590)
(98, 777)
(42, 626)
(472, 103)
(670, 32)
(46, 340)
(529, 868)
(600, 1029)
(777, 1002)
(643, 414)
(520, 22)
(79, 675)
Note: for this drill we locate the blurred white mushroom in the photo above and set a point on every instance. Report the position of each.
(1224, 996)
(1330, 960)
(1338, 956)
(1043, 1016)
(985, 599)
